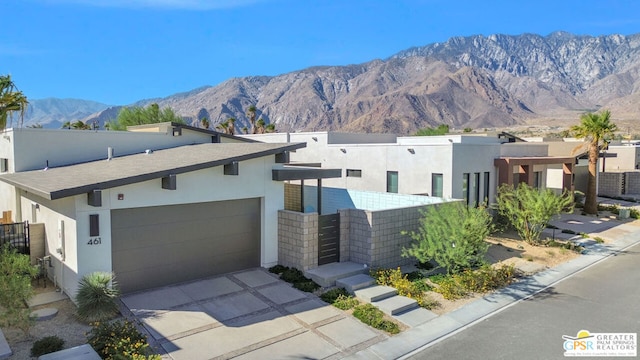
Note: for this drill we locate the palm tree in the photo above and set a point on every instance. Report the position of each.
(260, 126)
(204, 122)
(66, 125)
(251, 112)
(11, 100)
(223, 127)
(231, 128)
(596, 129)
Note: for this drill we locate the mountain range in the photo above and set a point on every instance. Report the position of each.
(476, 82)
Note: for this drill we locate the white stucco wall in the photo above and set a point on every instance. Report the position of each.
(627, 157)
(81, 257)
(64, 147)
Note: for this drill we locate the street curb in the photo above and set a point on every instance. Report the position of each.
(430, 333)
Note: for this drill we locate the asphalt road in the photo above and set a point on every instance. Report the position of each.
(604, 298)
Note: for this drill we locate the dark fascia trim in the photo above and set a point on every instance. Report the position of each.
(212, 132)
(160, 174)
(297, 173)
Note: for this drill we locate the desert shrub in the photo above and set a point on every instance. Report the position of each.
(634, 213)
(451, 234)
(46, 345)
(16, 272)
(374, 317)
(529, 210)
(563, 245)
(306, 286)
(119, 340)
(97, 297)
(437, 278)
(393, 277)
(345, 302)
(482, 280)
(278, 269)
(330, 296)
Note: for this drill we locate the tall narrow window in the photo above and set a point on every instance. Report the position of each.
(392, 181)
(476, 188)
(486, 187)
(465, 187)
(537, 178)
(4, 165)
(436, 185)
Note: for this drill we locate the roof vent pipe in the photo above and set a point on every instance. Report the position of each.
(109, 153)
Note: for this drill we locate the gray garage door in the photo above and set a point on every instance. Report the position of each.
(156, 246)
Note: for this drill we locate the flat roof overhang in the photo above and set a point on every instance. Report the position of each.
(533, 160)
(304, 173)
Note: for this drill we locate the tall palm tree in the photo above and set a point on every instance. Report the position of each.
(596, 129)
(251, 112)
(204, 122)
(231, 128)
(11, 100)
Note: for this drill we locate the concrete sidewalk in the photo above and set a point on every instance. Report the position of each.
(404, 344)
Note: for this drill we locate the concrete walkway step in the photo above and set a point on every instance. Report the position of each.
(375, 293)
(326, 275)
(44, 314)
(46, 298)
(415, 317)
(82, 352)
(356, 282)
(5, 350)
(396, 305)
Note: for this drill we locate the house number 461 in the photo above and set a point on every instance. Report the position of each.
(95, 241)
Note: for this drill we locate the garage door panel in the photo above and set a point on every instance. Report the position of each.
(184, 242)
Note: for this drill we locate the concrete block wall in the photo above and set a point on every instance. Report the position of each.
(610, 183)
(298, 239)
(632, 182)
(375, 237)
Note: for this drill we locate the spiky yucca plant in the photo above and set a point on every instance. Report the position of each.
(96, 297)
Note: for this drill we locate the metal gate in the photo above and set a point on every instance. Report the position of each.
(328, 239)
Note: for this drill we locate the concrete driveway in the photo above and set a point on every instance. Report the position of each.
(246, 315)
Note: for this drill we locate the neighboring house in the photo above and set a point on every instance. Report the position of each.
(619, 169)
(463, 166)
(174, 203)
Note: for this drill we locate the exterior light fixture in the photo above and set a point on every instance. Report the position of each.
(344, 151)
(411, 150)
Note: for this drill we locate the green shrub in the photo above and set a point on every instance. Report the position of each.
(330, 296)
(372, 316)
(16, 272)
(437, 278)
(345, 302)
(450, 289)
(452, 235)
(634, 213)
(119, 340)
(97, 297)
(278, 269)
(46, 345)
(293, 275)
(393, 277)
(306, 286)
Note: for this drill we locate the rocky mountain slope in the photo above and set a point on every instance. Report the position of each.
(53, 112)
(477, 82)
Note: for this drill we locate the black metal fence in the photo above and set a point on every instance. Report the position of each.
(17, 235)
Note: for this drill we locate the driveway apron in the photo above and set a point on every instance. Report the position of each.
(250, 314)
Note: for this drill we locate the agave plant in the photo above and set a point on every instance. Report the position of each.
(96, 297)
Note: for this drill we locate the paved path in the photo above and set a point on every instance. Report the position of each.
(602, 298)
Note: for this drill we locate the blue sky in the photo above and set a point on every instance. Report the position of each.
(121, 51)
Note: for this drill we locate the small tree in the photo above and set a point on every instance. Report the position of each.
(16, 272)
(529, 210)
(97, 297)
(452, 235)
(442, 129)
(152, 114)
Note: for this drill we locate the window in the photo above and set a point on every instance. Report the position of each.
(537, 178)
(436, 185)
(354, 173)
(476, 188)
(392, 181)
(4, 165)
(465, 187)
(486, 187)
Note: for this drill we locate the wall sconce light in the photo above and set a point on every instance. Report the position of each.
(411, 150)
(344, 151)
(314, 138)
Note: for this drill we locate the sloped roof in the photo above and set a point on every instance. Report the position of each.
(60, 182)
